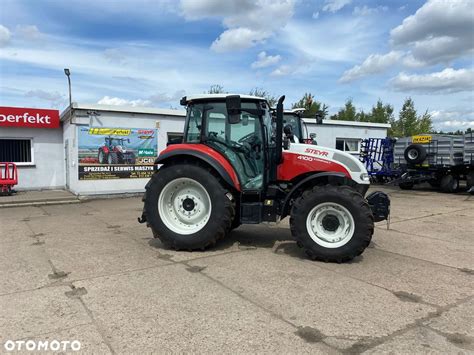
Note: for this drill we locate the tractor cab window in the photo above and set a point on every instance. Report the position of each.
(295, 124)
(241, 143)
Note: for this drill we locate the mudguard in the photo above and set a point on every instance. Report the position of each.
(207, 155)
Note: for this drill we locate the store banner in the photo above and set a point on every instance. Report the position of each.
(28, 117)
(116, 153)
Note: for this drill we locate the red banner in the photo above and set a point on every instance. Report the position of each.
(28, 117)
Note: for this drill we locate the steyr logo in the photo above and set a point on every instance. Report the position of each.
(317, 152)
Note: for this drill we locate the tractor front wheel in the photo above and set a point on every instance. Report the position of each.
(187, 207)
(332, 223)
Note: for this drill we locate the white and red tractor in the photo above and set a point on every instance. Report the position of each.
(237, 165)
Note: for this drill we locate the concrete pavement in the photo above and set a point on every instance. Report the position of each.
(90, 272)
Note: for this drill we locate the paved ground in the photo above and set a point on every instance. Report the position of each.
(89, 272)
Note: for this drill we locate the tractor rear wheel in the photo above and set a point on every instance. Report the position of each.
(102, 157)
(112, 158)
(332, 223)
(187, 207)
(449, 183)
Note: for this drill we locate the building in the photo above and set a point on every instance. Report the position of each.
(94, 149)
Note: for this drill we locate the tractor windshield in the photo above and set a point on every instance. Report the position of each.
(241, 143)
(295, 123)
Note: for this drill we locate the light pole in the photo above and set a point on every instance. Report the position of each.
(68, 74)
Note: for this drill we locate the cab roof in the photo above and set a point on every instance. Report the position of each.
(209, 97)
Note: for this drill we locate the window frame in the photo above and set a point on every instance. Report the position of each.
(344, 139)
(32, 150)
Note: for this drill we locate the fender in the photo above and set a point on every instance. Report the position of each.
(105, 150)
(286, 203)
(206, 154)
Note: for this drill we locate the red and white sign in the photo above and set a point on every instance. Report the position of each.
(28, 117)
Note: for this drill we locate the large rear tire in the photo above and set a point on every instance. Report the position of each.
(187, 207)
(332, 223)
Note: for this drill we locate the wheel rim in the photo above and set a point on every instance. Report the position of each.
(109, 159)
(184, 206)
(412, 154)
(330, 225)
(101, 157)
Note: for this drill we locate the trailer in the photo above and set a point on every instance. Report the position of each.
(440, 160)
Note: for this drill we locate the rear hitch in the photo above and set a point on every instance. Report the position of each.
(379, 203)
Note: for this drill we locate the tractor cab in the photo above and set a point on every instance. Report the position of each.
(237, 132)
(293, 119)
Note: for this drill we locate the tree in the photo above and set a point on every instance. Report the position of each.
(272, 100)
(216, 89)
(347, 113)
(311, 106)
(381, 113)
(409, 123)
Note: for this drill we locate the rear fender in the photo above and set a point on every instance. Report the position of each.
(178, 152)
(313, 180)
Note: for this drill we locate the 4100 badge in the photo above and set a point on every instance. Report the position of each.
(116, 153)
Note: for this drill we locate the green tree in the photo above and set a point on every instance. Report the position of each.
(216, 89)
(347, 113)
(381, 113)
(272, 99)
(311, 106)
(409, 123)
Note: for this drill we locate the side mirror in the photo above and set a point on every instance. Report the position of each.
(288, 130)
(234, 108)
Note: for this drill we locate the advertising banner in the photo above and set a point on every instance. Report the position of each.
(116, 153)
(28, 117)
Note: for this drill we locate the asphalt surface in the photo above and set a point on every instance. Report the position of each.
(90, 272)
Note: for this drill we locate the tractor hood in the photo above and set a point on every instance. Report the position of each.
(320, 158)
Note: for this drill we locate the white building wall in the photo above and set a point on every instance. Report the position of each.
(327, 133)
(113, 119)
(48, 154)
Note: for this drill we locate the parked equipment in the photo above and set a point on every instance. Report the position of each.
(114, 152)
(377, 156)
(236, 166)
(440, 160)
(8, 177)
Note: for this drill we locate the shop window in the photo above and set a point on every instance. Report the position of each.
(174, 138)
(349, 145)
(19, 151)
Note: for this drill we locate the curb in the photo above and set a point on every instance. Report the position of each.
(39, 203)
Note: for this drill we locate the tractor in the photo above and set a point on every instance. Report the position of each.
(113, 152)
(237, 165)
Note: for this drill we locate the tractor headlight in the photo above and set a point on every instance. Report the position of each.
(364, 177)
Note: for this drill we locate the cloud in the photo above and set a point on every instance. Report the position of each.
(247, 22)
(4, 36)
(449, 120)
(365, 10)
(115, 55)
(439, 31)
(375, 63)
(264, 60)
(28, 32)
(315, 15)
(117, 101)
(447, 81)
(335, 5)
(164, 97)
(282, 70)
(54, 97)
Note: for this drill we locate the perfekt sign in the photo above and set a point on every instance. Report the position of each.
(28, 117)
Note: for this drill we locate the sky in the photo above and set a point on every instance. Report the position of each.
(151, 53)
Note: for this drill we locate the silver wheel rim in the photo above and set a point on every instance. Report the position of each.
(321, 234)
(413, 154)
(101, 157)
(184, 206)
(109, 159)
